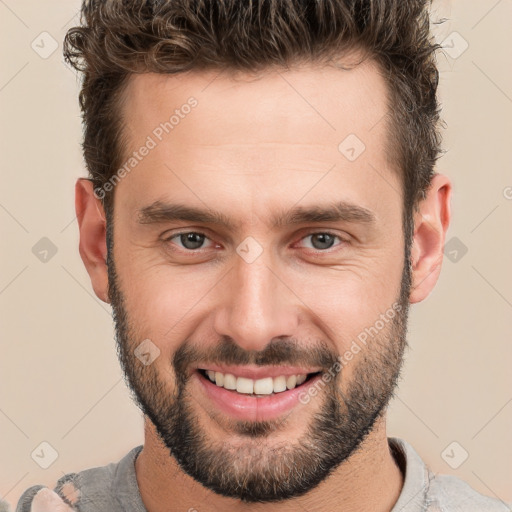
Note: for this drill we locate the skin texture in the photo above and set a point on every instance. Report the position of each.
(252, 148)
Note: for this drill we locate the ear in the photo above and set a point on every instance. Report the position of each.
(431, 222)
(93, 244)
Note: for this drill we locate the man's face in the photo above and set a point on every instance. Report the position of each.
(315, 295)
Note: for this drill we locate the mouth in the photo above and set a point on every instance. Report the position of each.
(258, 388)
(261, 399)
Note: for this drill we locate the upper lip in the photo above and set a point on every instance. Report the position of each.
(259, 372)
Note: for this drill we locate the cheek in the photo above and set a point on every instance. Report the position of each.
(163, 302)
(348, 301)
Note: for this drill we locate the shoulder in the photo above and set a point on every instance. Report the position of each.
(449, 493)
(424, 490)
(94, 489)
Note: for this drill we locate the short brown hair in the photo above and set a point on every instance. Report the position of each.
(117, 38)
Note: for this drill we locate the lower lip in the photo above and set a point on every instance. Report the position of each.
(252, 408)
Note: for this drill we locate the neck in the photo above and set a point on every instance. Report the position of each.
(369, 480)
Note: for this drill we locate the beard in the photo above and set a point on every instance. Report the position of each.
(252, 466)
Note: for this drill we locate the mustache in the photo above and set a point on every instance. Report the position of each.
(287, 351)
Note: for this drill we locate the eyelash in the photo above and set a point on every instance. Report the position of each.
(198, 251)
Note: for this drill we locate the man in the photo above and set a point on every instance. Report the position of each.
(261, 210)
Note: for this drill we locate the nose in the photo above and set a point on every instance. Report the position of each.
(256, 305)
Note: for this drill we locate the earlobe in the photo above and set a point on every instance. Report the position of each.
(93, 244)
(430, 225)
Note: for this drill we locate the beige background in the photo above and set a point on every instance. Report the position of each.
(60, 381)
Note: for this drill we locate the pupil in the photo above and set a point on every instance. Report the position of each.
(326, 240)
(188, 241)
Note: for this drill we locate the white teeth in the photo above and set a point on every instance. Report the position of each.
(301, 379)
(291, 381)
(229, 381)
(265, 386)
(279, 384)
(244, 385)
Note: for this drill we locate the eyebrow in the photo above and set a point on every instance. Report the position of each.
(161, 212)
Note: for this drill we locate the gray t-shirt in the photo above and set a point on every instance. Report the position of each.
(113, 488)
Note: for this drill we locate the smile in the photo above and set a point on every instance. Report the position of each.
(260, 399)
(260, 387)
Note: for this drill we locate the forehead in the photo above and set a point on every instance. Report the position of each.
(329, 100)
(278, 130)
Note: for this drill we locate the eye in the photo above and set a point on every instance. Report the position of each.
(190, 240)
(193, 241)
(321, 241)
